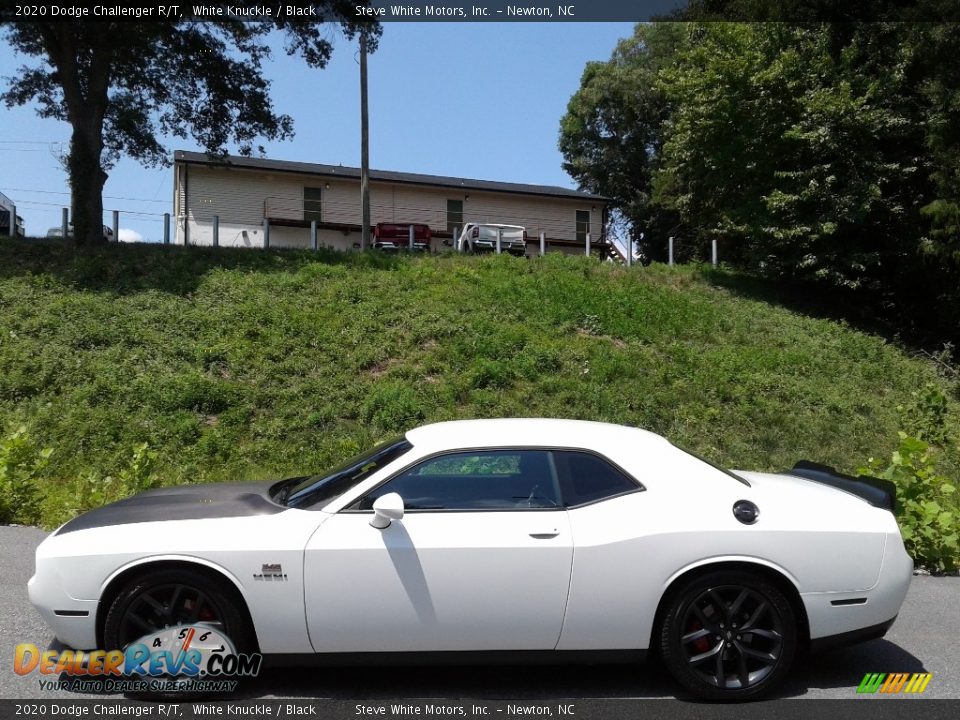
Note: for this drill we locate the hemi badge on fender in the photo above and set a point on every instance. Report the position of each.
(270, 571)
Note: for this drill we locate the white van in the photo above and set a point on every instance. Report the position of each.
(57, 231)
(477, 237)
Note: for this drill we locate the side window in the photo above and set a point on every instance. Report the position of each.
(475, 480)
(454, 214)
(587, 478)
(313, 204)
(583, 225)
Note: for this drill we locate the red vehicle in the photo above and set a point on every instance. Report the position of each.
(396, 236)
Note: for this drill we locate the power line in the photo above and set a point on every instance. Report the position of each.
(64, 192)
(40, 205)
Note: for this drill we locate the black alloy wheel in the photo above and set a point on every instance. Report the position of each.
(154, 601)
(729, 636)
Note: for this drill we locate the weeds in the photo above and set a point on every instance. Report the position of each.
(235, 365)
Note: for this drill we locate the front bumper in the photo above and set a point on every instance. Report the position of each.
(74, 622)
(510, 247)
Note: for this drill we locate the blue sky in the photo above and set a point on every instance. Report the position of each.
(472, 100)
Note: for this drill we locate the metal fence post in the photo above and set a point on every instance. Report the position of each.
(670, 251)
(543, 243)
(13, 221)
(713, 252)
(116, 226)
(499, 239)
(630, 252)
(410, 237)
(166, 228)
(313, 235)
(588, 245)
(216, 231)
(266, 233)
(455, 238)
(64, 222)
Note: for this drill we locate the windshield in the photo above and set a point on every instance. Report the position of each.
(712, 464)
(320, 489)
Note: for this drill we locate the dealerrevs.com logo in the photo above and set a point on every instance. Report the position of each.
(183, 658)
(894, 683)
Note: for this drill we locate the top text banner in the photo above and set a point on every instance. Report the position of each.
(375, 10)
(280, 11)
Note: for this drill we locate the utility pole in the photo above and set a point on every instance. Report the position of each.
(364, 146)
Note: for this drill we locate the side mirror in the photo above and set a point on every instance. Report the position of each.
(386, 509)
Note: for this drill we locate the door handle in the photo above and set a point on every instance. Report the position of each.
(546, 535)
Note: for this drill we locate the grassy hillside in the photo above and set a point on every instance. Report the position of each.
(235, 364)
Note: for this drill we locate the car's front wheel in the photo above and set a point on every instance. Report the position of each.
(151, 602)
(728, 636)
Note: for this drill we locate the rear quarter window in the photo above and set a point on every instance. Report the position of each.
(587, 478)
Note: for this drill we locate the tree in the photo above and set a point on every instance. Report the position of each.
(612, 131)
(935, 47)
(807, 153)
(121, 85)
(821, 152)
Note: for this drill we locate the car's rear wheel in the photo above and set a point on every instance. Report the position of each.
(728, 636)
(151, 602)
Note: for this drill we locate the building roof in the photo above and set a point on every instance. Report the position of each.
(342, 171)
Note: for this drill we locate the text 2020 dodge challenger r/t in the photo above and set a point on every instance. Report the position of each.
(526, 539)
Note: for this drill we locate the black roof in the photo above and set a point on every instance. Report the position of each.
(289, 166)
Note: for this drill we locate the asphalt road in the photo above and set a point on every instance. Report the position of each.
(924, 638)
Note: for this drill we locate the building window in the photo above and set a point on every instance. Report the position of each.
(583, 225)
(454, 214)
(313, 204)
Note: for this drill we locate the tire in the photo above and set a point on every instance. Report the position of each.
(706, 641)
(184, 596)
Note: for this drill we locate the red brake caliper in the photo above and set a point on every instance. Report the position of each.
(701, 645)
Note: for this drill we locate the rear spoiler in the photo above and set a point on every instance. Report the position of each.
(879, 493)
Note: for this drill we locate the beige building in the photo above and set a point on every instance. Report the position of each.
(252, 197)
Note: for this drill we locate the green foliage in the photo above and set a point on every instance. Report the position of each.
(927, 416)
(93, 489)
(393, 407)
(500, 464)
(796, 151)
(21, 466)
(824, 153)
(612, 131)
(928, 504)
(236, 365)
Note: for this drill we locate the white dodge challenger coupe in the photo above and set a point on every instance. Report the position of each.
(523, 539)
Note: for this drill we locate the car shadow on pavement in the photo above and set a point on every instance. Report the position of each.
(827, 671)
(467, 681)
(845, 667)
